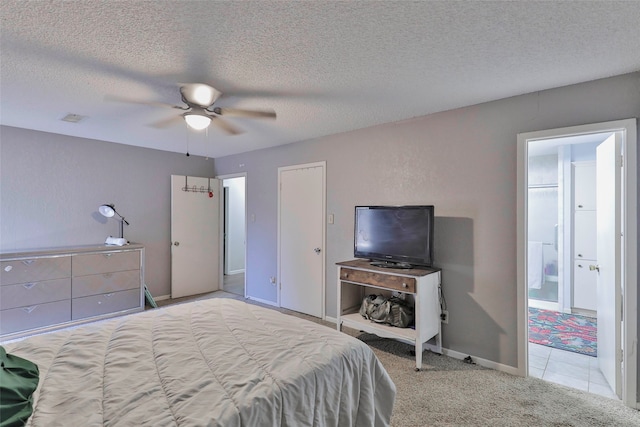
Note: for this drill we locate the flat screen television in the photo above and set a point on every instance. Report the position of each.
(394, 236)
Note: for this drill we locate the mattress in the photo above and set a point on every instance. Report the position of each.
(215, 362)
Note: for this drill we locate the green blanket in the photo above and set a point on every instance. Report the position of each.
(18, 380)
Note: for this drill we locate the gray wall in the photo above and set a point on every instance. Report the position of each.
(463, 162)
(51, 186)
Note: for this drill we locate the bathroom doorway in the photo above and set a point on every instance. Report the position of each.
(561, 244)
(561, 272)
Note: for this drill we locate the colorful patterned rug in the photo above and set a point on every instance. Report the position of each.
(569, 332)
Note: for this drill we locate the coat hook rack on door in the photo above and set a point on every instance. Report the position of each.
(195, 189)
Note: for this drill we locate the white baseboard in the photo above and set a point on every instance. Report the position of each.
(263, 301)
(232, 272)
(162, 297)
(482, 362)
(331, 319)
(461, 356)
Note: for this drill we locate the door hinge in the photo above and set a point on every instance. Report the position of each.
(621, 161)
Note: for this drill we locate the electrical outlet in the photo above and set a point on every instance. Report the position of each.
(444, 316)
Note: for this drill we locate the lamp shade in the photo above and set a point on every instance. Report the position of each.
(107, 210)
(197, 121)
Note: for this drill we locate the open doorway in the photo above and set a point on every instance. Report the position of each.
(234, 233)
(561, 246)
(563, 279)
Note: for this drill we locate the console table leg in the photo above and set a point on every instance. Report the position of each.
(418, 356)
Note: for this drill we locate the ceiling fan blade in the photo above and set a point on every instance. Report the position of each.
(238, 112)
(114, 98)
(226, 126)
(165, 123)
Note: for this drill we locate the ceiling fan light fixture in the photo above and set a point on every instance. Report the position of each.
(203, 95)
(199, 94)
(197, 121)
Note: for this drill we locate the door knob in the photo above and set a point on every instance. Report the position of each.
(594, 267)
(176, 243)
(317, 250)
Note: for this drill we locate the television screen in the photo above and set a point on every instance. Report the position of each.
(399, 236)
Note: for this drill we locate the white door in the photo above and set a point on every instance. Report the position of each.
(301, 238)
(608, 168)
(195, 242)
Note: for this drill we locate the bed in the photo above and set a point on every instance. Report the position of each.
(215, 362)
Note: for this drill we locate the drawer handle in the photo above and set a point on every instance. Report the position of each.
(580, 255)
(28, 285)
(28, 261)
(345, 275)
(404, 285)
(28, 310)
(580, 265)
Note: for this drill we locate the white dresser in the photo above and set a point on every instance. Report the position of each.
(48, 289)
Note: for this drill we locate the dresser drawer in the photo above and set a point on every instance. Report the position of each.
(96, 305)
(34, 270)
(104, 283)
(107, 262)
(34, 316)
(27, 294)
(387, 281)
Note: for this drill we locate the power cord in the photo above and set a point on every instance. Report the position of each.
(443, 303)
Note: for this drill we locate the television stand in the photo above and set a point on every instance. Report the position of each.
(391, 264)
(420, 287)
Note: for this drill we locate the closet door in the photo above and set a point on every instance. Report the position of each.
(301, 238)
(584, 236)
(584, 178)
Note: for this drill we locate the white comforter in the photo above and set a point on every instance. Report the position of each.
(215, 362)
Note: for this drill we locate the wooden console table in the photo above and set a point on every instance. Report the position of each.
(358, 278)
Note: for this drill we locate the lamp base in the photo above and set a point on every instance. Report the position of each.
(117, 241)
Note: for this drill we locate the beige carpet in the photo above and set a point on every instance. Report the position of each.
(449, 392)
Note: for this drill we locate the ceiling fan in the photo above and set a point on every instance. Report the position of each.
(199, 111)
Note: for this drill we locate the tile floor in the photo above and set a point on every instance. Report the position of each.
(569, 369)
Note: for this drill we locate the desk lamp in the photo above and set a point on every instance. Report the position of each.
(109, 210)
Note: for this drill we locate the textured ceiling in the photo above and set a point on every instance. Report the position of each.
(326, 67)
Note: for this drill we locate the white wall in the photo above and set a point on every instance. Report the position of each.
(463, 162)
